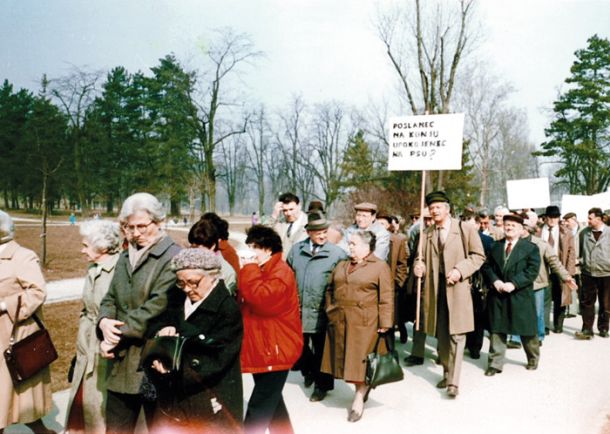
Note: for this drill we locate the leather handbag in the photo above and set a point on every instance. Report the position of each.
(27, 357)
(383, 368)
(166, 349)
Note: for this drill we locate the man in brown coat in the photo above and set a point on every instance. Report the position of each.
(562, 243)
(451, 254)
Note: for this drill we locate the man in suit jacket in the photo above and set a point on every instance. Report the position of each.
(452, 252)
(289, 220)
(510, 271)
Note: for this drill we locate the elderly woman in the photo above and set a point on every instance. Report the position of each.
(205, 394)
(136, 296)
(86, 405)
(273, 338)
(20, 277)
(359, 304)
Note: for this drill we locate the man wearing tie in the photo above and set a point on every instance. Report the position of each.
(313, 260)
(290, 228)
(452, 252)
(510, 271)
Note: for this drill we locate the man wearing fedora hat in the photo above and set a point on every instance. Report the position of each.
(562, 243)
(365, 219)
(452, 253)
(313, 261)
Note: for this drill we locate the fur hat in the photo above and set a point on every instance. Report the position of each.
(196, 259)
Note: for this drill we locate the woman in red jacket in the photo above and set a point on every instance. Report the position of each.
(273, 339)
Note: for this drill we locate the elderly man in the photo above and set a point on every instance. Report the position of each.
(137, 295)
(366, 220)
(562, 243)
(571, 224)
(313, 261)
(510, 271)
(291, 228)
(452, 252)
(595, 269)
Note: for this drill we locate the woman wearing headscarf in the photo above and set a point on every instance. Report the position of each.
(21, 278)
(87, 402)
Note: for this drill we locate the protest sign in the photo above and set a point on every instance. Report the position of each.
(428, 142)
(528, 193)
(578, 204)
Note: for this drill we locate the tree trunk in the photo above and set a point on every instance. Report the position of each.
(43, 234)
(174, 204)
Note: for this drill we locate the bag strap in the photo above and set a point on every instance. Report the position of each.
(14, 332)
(389, 343)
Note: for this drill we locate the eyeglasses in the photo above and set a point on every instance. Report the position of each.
(141, 228)
(190, 283)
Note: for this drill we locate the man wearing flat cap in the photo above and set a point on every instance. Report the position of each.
(510, 271)
(562, 243)
(313, 261)
(452, 252)
(366, 213)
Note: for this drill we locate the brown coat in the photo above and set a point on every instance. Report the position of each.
(357, 304)
(459, 299)
(20, 275)
(567, 257)
(399, 254)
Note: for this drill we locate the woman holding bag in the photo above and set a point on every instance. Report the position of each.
(359, 305)
(21, 277)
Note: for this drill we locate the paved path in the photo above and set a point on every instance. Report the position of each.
(568, 394)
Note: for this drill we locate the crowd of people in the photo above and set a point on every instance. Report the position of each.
(168, 331)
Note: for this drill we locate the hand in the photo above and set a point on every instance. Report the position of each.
(382, 330)
(499, 285)
(167, 331)
(571, 283)
(111, 331)
(106, 350)
(454, 276)
(277, 210)
(158, 366)
(509, 287)
(419, 269)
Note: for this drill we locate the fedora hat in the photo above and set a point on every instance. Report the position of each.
(316, 221)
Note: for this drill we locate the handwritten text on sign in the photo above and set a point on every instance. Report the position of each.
(430, 142)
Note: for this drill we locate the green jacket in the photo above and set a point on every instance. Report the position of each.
(136, 296)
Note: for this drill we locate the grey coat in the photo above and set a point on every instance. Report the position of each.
(313, 275)
(136, 296)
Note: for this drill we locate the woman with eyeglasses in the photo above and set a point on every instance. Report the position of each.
(273, 338)
(204, 393)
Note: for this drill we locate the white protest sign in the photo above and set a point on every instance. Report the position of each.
(528, 193)
(601, 200)
(578, 204)
(429, 142)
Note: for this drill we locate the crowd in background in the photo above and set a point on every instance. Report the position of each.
(168, 331)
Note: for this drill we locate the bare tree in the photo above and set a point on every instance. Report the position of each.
(259, 145)
(226, 55)
(232, 170)
(431, 41)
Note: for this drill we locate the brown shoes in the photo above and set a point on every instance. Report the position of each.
(452, 391)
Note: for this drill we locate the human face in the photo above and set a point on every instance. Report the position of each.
(358, 249)
(260, 254)
(571, 223)
(195, 283)
(498, 218)
(485, 223)
(439, 211)
(512, 229)
(318, 237)
(141, 229)
(552, 221)
(90, 252)
(291, 211)
(595, 222)
(364, 219)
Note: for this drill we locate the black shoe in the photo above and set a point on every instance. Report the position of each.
(476, 355)
(546, 332)
(491, 371)
(603, 334)
(404, 336)
(308, 381)
(442, 384)
(532, 365)
(354, 416)
(513, 345)
(317, 395)
(558, 330)
(570, 315)
(585, 335)
(452, 391)
(414, 361)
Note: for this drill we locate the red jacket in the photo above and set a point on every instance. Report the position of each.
(273, 338)
(229, 254)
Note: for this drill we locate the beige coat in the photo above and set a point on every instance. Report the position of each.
(567, 257)
(91, 369)
(357, 304)
(20, 275)
(297, 232)
(459, 299)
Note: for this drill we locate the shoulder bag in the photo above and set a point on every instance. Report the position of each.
(27, 357)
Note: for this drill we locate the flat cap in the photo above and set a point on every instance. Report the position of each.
(513, 217)
(436, 196)
(366, 206)
(569, 215)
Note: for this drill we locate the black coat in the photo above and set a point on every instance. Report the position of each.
(513, 313)
(210, 372)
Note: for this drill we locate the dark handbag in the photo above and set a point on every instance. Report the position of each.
(383, 368)
(166, 349)
(27, 357)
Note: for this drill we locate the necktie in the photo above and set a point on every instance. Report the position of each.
(315, 249)
(289, 230)
(551, 239)
(441, 242)
(509, 248)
